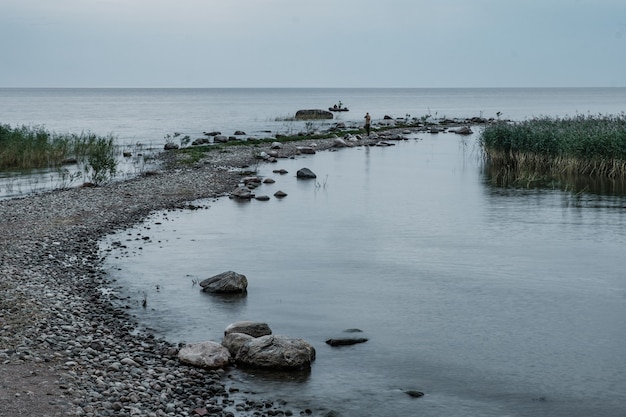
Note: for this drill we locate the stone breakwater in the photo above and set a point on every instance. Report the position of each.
(64, 348)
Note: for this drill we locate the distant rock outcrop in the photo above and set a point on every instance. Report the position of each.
(313, 114)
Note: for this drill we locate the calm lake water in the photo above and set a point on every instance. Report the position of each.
(493, 301)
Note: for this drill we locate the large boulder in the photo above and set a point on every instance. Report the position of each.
(209, 355)
(220, 139)
(234, 341)
(228, 282)
(251, 328)
(313, 114)
(276, 352)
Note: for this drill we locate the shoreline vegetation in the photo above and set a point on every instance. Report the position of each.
(33, 147)
(541, 149)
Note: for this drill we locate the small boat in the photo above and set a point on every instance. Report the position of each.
(338, 109)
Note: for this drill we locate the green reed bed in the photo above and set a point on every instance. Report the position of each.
(27, 147)
(581, 145)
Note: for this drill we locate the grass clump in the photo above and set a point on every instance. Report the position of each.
(581, 145)
(25, 148)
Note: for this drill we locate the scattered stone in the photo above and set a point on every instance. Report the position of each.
(249, 180)
(464, 130)
(276, 352)
(201, 141)
(346, 341)
(225, 283)
(251, 328)
(280, 194)
(305, 173)
(209, 355)
(220, 139)
(414, 393)
(339, 143)
(347, 338)
(242, 193)
(308, 150)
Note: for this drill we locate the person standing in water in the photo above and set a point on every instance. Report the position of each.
(368, 123)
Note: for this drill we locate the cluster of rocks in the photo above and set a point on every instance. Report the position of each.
(245, 190)
(443, 125)
(250, 344)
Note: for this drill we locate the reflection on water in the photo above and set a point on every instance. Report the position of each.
(491, 300)
(602, 186)
(131, 161)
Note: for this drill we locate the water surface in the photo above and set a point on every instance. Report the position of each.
(493, 301)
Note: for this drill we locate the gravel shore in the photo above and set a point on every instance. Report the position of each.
(64, 349)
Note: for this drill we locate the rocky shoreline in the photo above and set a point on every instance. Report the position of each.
(64, 348)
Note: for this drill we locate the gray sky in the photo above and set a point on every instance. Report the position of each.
(322, 43)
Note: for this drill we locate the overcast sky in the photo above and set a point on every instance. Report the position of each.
(322, 43)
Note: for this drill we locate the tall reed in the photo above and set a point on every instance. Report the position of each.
(33, 147)
(584, 145)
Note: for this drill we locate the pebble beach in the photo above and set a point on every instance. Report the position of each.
(64, 348)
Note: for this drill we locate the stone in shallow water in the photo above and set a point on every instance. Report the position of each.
(305, 173)
(251, 328)
(228, 282)
(210, 355)
(276, 352)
